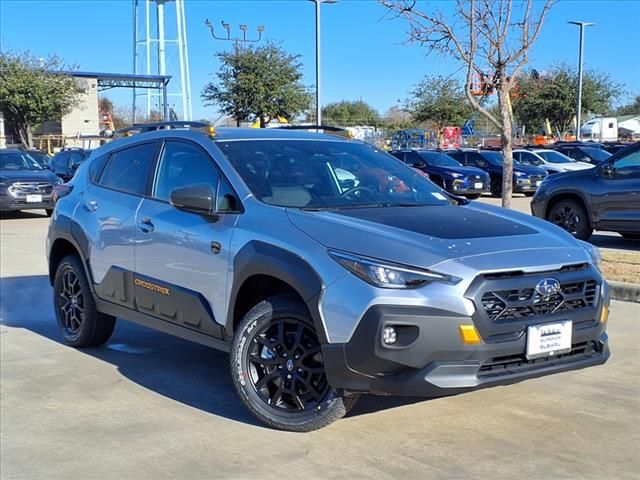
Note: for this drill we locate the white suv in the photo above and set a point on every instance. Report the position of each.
(550, 160)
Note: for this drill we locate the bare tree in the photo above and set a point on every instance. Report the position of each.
(491, 39)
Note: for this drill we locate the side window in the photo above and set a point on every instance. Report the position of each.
(96, 167)
(128, 170)
(227, 199)
(414, 159)
(75, 159)
(519, 157)
(182, 165)
(459, 156)
(399, 155)
(628, 166)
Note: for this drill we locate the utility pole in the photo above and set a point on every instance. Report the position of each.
(318, 102)
(580, 55)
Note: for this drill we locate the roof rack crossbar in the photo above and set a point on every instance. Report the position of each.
(150, 127)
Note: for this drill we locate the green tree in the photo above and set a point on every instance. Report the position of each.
(552, 96)
(33, 91)
(632, 108)
(258, 82)
(441, 101)
(349, 114)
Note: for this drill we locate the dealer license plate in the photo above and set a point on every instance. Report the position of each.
(477, 185)
(549, 339)
(34, 198)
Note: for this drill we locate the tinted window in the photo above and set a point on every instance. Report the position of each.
(527, 158)
(459, 156)
(555, 157)
(76, 158)
(96, 166)
(597, 154)
(182, 165)
(327, 174)
(17, 161)
(493, 157)
(128, 170)
(438, 159)
(628, 166)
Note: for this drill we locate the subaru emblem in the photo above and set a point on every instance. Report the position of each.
(548, 286)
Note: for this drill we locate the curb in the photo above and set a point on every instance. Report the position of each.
(626, 292)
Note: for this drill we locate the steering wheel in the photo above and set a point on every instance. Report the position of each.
(358, 188)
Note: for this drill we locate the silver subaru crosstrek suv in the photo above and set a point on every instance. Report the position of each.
(325, 266)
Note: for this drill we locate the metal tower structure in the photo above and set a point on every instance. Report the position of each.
(159, 36)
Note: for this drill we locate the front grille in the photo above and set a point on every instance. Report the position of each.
(511, 364)
(22, 189)
(535, 178)
(507, 305)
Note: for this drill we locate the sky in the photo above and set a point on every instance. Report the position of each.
(364, 52)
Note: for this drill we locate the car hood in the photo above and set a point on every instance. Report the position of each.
(568, 167)
(28, 176)
(476, 237)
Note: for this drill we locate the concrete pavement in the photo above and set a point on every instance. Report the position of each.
(147, 405)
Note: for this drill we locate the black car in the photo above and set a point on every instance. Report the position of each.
(448, 173)
(65, 163)
(606, 197)
(24, 184)
(590, 152)
(525, 178)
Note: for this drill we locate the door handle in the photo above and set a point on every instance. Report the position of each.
(91, 206)
(145, 225)
(216, 248)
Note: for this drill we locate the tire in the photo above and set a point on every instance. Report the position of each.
(473, 196)
(496, 187)
(276, 341)
(80, 323)
(49, 211)
(571, 216)
(529, 194)
(630, 235)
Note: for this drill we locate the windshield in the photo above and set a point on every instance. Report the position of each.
(552, 156)
(530, 159)
(494, 158)
(41, 158)
(18, 161)
(596, 153)
(436, 159)
(328, 174)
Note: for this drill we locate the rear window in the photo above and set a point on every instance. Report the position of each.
(129, 170)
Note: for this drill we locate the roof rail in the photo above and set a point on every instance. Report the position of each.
(340, 132)
(172, 125)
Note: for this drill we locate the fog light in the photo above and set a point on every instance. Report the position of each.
(389, 335)
(469, 334)
(604, 315)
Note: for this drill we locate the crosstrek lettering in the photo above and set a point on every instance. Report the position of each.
(152, 286)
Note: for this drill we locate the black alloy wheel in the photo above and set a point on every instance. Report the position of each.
(278, 370)
(572, 217)
(80, 323)
(71, 303)
(285, 366)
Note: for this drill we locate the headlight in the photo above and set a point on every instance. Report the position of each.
(456, 175)
(594, 253)
(386, 274)
(519, 174)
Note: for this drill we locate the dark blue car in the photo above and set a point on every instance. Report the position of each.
(526, 178)
(443, 170)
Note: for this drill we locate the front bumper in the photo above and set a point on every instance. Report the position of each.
(10, 203)
(468, 187)
(429, 358)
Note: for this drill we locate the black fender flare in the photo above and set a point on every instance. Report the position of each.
(260, 258)
(64, 228)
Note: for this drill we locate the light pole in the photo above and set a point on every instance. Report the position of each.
(318, 103)
(579, 101)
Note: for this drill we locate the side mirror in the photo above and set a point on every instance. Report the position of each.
(195, 199)
(607, 170)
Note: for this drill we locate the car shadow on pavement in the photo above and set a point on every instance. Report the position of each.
(615, 242)
(21, 215)
(183, 371)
